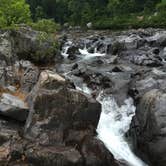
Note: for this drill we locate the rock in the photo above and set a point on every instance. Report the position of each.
(152, 127)
(163, 54)
(27, 44)
(13, 107)
(117, 69)
(6, 50)
(60, 129)
(42, 155)
(63, 109)
(8, 134)
(89, 25)
(59, 122)
(156, 51)
(93, 151)
(11, 88)
(72, 52)
(141, 58)
(158, 39)
(29, 78)
(66, 25)
(116, 48)
(132, 41)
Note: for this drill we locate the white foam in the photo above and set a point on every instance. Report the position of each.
(113, 124)
(84, 89)
(64, 51)
(88, 55)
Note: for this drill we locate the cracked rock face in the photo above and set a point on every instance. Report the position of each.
(152, 127)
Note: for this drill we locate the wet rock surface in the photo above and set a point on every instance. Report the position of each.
(133, 65)
(46, 119)
(28, 45)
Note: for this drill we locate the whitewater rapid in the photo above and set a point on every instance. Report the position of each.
(114, 120)
(113, 124)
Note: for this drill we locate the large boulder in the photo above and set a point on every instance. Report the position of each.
(13, 107)
(9, 132)
(6, 50)
(27, 44)
(59, 109)
(151, 127)
(158, 39)
(60, 127)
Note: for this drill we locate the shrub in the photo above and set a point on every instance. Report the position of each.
(45, 25)
(3, 22)
(14, 12)
(47, 48)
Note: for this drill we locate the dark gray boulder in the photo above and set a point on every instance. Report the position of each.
(151, 126)
(13, 107)
(28, 44)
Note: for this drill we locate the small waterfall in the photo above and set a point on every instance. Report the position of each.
(113, 124)
(64, 52)
(114, 120)
(65, 49)
(88, 55)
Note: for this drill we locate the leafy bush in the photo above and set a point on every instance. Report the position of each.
(2, 20)
(142, 20)
(14, 12)
(45, 25)
(161, 7)
(48, 47)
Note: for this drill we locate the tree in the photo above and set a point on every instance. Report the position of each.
(39, 13)
(15, 11)
(2, 20)
(120, 7)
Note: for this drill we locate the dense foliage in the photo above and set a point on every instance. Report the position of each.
(102, 13)
(45, 25)
(14, 12)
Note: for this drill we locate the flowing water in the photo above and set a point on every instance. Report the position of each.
(114, 121)
(113, 124)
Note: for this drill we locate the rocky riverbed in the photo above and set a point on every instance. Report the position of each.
(49, 113)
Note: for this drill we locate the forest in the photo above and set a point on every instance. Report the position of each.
(104, 14)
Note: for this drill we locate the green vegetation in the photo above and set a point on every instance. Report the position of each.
(113, 14)
(104, 14)
(14, 12)
(45, 25)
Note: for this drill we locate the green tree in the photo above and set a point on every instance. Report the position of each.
(39, 13)
(118, 7)
(2, 20)
(15, 11)
(161, 7)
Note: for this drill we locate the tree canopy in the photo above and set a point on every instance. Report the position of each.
(14, 12)
(80, 12)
